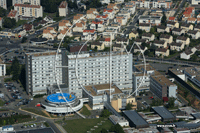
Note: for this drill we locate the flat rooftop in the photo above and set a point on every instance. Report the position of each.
(41, 53)
(42, 130)
(162, 80)
(102, 87)
(163, 112)
(135, 118)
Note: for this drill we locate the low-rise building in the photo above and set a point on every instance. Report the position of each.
(153, 20)
(173, 19)
(49, 33)
(97, 45)
(197, 27)
(184, 40)
(160, 43)
(64, 24)
(178, 31)
(171, 24)
(145, 27)
(162, 29)
(167, 38)
(106, 41)
(187, 27)
(192, 20)
(109, 12)
(89, 34)
(79, 27)
(187, 53)
(194, 33)
(162, 52)
(148, 36)
(76, 47)
(162, 87)
(91, 13)
(28, 27)
(133, 34)
(97, 25)
(123, 41)
(66, 31)
(119, 47)
(13, 14)
(165, 114)
(103, 18)
(118, 120)
(63, 9)
(176, 46)
(139, 41)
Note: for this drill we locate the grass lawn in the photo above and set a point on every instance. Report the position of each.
(85, 111)
(2, 102)
(84, 125)
(107, 125)
(33, 110)
(21, 22)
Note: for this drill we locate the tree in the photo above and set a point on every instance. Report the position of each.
(117, 129)
(153, 29)
(104, 130)
(145, 45)
(105, 113)
(171, 102)
(24, 39)
(15, 67)
(22, 76)
(9, 22)
(3, 12)
(129, 106)
(163, 20)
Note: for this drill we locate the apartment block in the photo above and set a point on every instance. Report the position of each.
(63, 8)
(162, 87)
(40, 71)
(31, 2)
(26, 10)
(3, 69)
(3, 4)
(94, 69)
(153, 20)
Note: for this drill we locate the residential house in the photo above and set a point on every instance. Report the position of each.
(153, 20)
(145, 27)
(109, 12)
(172, 24)
(133, 34)
(198, 20)
(49, 33)
(79, 27)
(162, 52)
(1, 21)
(97, 45)
(191, 20)
(66, 31)
(89, 34)
(160, 43)
(124, 41)
(34, 11)
(119, 47)
(97, 25)
(64, 24)
(115, 25)
(178, 31)
(63, 9)
(148, 36)
(13, 14)
(28, 27)
(167, 38)
(49, 20)
(197, 27)
(92, 13)
(105, 41)
(125, 12)
(114, 7)
(183, 40)
(140, 49)
(130, 7)
(187, 53)
(77, 17)
(189, 11)
(103, 18)
(110, 33)
(139, 41)
(187, 27)
(162, 29)
(121, 19)
(176, 46)
(194, 33)
(173, 19)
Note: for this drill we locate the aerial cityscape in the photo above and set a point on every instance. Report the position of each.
(99, 66)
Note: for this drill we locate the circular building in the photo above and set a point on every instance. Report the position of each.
(56, 103)
(38, 41)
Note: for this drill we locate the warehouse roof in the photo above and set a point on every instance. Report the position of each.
(163, 112)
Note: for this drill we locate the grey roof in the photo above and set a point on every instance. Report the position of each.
(187, 125)
(192, 31)
(196, 115)
(135, 117)
(177, 29)
(43, 130)
(163, 112)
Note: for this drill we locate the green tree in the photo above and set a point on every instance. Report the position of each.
(104, 130)
(9, 22)
(3, 12)
(129, 106)
(145, 45)
(117, 129)
(22, 76)
(163, 20)
(171, 102)
(24, 39)
(15, 67)
(105, 113)
(153, 29)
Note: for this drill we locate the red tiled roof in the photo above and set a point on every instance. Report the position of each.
(27, 5)
(107, 39)
(27, 27)
(188, 10)
(12, 13)
(91, 30)
(97, 22)
(103, 16)
(108, 10)
(171, 18)
(63, 4)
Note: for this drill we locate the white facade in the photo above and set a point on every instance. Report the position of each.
(117, 120)
(154, 20)
(63, 9)
(3, 4)
(26, 10)
(32, 2)
(3, 69)
(40, 71)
